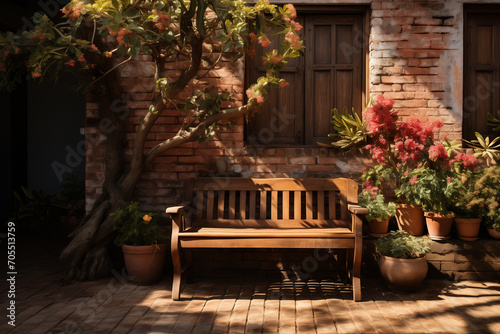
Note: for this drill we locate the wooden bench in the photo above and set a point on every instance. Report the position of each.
(268, 213)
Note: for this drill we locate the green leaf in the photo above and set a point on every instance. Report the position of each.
(228, 46)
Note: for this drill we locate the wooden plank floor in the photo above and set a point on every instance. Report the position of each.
(239, 305)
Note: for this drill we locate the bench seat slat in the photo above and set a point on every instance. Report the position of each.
(303, 243)
(269, 223)
(209, 232)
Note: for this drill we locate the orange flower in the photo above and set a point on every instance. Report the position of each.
(147, 218)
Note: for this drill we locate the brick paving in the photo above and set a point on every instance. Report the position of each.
(242, 305)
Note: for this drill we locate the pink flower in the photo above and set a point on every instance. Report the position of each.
(469, 161)
(252, 36)
(291, 13)
(438, 151)
(464, 179)
(73, 11)
(264, 41)
(81, 58)
(296, 25)
(36, 74)
(413, 180)
(292, 38)
(448, 179)
(94, 47)
(71, 63)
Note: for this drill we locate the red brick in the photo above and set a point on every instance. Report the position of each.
(209, 151)
(302, 161)
(398, 79)
(195, 159)
(328, 160)
(417, 70)
(427, 21)
(187, 176)
(318, 168)
(410, 104)
(179, 151)
(430, 79)
(428, 54)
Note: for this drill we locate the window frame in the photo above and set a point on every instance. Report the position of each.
(365, 12)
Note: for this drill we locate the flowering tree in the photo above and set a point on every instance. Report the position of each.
(403, 150)
(99, 36)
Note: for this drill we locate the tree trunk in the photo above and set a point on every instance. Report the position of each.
(87, 254)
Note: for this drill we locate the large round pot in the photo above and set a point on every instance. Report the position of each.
(439, 226)
(144, 263)
(378, 227)
(467, 228)
(494, 233)
(403, 275)
(410, 218)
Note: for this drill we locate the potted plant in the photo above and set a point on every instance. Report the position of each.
(485, 194)
(467, 210)
(402, 260)
(435, 190)
(143, 246)
(371, 198)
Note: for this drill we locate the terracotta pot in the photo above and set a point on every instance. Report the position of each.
(439, 226)
(410, 218)
(404, 275)
(467, 228)
(494, 233)
(378, 227)
(144, 263)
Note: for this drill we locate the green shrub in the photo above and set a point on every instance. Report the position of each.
(402, 245)
(136, 228)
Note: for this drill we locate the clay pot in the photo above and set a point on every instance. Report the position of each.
(467, 228)
(439, 226)
(410, 218)
(494, 233)
(403, 275)
(144, 263)
(378, 227)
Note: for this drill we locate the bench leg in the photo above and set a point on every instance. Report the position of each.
(189, 265)
(356, 272)
(176, 260)
(348, 264)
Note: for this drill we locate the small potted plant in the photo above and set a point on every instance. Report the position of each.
(435, 190)
(402, 260)
(143, 245)
(467, 210)
(371, 198)
(379, 211)
(485, 194)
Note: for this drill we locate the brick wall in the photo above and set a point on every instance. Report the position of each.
(415, 57)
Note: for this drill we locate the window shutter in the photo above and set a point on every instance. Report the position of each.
(281, 119)
(482, 73)
(333, 71)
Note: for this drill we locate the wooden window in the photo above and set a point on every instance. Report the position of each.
(482, 68)
(329, 75)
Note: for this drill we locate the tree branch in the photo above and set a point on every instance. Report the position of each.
(185, 136)
(175, 88)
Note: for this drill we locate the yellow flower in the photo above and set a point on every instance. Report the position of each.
(147, 218)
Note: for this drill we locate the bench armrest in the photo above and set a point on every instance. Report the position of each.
(179, 216)
(175, 209)
(357, 209)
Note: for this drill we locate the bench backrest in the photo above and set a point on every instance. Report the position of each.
(277, 203)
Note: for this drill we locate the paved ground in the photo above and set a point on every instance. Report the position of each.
(229, 305)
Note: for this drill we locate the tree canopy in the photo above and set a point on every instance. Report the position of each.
(97, 37)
